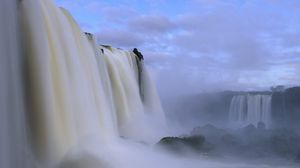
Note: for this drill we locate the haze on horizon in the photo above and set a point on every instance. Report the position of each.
(69, 102)
(202, 45)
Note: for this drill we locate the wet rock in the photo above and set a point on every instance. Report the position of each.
(181, 144)
(138, 54)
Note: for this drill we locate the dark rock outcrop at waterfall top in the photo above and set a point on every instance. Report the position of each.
(88, 34)
(138, 54)
(107, 47)
(139, 62)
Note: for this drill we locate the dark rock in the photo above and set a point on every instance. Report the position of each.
(261, 126)
(139, 61)
(90, 35)
(179, 145)
(249, 143)
(107, 47)
(138, 54)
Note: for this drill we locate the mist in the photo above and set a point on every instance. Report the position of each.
(167, 84)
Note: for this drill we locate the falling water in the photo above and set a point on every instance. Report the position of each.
(81, 93)
(250, 109)
(14, 150)
(82, 101)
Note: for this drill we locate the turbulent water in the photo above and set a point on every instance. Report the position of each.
(250, 109)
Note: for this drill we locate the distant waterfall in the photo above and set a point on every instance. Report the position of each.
(250, 109)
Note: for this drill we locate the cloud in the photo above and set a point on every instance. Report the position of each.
(207, 44)
(119, 38)
(151, 24)
(111, 13)
(241, 40)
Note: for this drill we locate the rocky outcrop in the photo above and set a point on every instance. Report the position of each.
(138, 54)
(180, 145)
(249, 143)
(140, 66)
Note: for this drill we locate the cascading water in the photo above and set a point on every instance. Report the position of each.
(77, 93)
(14, 149)
(124, 71)
(66, 102)
(250, 109)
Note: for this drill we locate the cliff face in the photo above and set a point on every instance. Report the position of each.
(291, 107)
(286, 108)
(278, 113)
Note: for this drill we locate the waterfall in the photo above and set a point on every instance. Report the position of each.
(77, 95)
(250, 109)
(14, 149)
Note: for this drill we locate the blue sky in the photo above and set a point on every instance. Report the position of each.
(202, 44)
